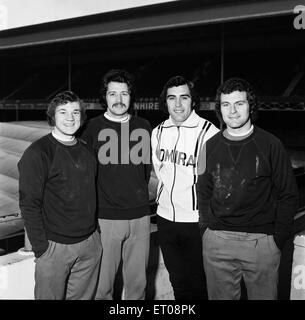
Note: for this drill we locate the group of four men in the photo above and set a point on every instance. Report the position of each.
(226, 199)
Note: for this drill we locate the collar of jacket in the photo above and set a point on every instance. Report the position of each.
(191, 122)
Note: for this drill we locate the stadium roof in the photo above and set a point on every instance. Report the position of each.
(159, 17)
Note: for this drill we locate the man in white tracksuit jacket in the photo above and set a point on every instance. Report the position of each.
(176, 145)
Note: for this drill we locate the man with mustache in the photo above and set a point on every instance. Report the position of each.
(122, 184)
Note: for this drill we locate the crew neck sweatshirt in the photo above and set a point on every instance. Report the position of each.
(122, 183)
(248, 186)
(57, 194)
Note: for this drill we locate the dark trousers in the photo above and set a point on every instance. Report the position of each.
(181, 248)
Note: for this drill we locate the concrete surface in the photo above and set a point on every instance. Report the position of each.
(17, 275)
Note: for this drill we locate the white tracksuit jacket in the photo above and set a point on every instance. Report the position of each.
(175, 152)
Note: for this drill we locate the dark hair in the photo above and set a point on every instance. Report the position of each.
(237, 84)
(61, 99)
(118, 75)
(175, 82)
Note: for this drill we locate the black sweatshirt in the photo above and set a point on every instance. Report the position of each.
(57, 194)
(248, 186)
(122, 184)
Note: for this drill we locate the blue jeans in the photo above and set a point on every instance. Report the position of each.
(230, 256)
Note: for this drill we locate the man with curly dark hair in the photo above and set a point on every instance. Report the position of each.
(123, 175)
(176, 144)
(58, 204)
(247, 198)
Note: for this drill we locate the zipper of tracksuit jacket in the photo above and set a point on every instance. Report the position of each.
(174, 212)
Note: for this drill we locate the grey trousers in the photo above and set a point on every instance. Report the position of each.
(230, 256)
(69, 271)
(126, 240)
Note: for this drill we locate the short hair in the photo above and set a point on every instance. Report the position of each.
(63, 98)
(177, 81)
(118, 75)
(237, 84)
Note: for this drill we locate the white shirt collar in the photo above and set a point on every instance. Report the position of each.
(109, 117)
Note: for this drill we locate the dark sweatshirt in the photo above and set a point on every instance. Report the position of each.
(124, 166)
(57, 194)
(248, 186)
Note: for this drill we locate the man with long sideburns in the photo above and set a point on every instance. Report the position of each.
(121, 142)
(176, 144)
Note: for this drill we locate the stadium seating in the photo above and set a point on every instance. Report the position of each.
(14, 139)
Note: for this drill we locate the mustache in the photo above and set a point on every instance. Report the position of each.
(119, 104)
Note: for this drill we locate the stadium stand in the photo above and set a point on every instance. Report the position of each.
(14, 139)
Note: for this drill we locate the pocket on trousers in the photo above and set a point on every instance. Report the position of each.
(205, 240)
(273, 244)
(205, 233)
(98, 240)
(46, 253)
(141, 227)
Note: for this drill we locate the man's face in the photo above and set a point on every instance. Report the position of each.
(235, 111)
(118, 99)
(179, 103)
(67, 119)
